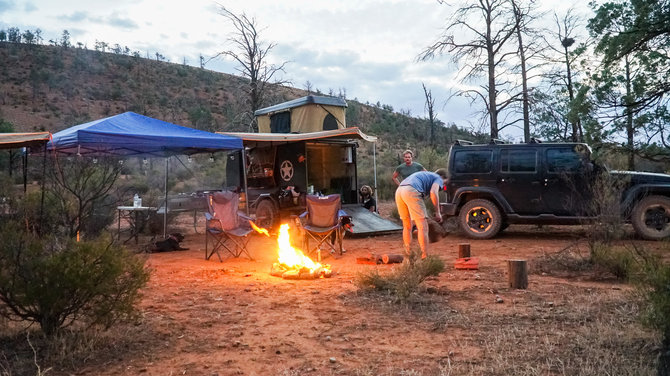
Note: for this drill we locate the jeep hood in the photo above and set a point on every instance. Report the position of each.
(642, 177)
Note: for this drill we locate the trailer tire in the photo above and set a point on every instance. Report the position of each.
(267, 215)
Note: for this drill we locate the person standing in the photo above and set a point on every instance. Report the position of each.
(411, 207)
(407, 168)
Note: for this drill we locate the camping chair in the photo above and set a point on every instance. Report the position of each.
(228, 228)
(323, 222)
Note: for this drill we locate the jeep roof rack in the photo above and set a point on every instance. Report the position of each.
(463, 142)
(495, 141)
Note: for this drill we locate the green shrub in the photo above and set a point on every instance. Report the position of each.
(620, 261)
(654, 284)
(402, 281)
(57, 283)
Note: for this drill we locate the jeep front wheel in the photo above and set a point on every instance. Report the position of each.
(651, 217)
(480, 219)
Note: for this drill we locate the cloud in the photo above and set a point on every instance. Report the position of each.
(6, 6)
(29, 7)
(74, 17)
(123, 22)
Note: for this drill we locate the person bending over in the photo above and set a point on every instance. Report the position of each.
(411, 207)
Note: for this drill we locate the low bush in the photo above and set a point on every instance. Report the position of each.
(654, 284)
(622, 262)
(402, 281)
(57, 283)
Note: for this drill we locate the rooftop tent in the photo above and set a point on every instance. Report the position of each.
(303, 115)
(131, 134)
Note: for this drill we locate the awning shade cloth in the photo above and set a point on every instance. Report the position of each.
(352, 133)
(20, 140)
(131, 134)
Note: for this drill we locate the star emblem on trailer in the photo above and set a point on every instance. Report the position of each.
(286, 170)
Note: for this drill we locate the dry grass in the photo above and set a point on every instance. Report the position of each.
(588, 331)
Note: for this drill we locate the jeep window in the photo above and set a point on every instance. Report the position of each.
(518, 160)
(563, 160)
(472, 161)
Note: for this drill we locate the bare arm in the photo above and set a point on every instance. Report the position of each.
(395, 178)
(435, 198)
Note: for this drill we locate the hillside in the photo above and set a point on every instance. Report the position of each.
(52, 87)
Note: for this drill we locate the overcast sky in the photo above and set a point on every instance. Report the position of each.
(366, 47)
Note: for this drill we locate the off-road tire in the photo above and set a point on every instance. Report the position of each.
(267, 215)
(480, 219)
(651, 217)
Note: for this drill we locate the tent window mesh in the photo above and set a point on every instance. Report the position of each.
(329, 123)
(280, 123)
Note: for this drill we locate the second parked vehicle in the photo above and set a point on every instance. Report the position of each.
(493, 185)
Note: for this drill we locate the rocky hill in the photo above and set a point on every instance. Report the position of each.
(53, 87)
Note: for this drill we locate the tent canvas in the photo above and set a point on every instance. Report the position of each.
(131, 134)
(303, 115)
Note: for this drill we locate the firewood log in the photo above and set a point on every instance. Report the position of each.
(392, 259)
(435, 231)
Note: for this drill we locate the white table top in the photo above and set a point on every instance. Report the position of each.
(136, 208)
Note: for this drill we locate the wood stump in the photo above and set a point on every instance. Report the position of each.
(517, 274)
(464, 250)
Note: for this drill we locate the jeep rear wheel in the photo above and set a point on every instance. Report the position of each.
(651, 217)
(480, 219)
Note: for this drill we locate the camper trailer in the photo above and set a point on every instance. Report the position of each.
(303, 147)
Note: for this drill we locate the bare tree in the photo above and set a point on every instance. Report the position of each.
(251, 53)
(488, 24)
(522, 16)
(560, 40)
(430, 108)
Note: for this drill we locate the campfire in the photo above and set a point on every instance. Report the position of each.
(292, 263)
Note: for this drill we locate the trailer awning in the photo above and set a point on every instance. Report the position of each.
(19, 140)
(344, 134)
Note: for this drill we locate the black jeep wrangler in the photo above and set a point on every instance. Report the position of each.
(493, 185)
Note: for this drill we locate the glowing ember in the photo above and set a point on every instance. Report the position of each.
(258, 229)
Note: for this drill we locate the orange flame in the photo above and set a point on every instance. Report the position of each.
(291, 257)
(258, 229)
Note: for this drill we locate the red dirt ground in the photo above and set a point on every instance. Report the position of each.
(234, 318)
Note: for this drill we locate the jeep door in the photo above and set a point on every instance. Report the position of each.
(518, 180)
(566, 182)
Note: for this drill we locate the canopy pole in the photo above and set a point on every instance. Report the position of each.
(244, 178)
(374, 164)
(165, 204)
(42, 185)
(25, 170)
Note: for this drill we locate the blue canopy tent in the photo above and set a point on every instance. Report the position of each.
(131, 134)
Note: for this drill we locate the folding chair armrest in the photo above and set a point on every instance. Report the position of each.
(244, 216)
(208, 216)
(303, 217)
(341, 213)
